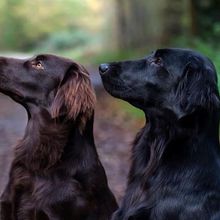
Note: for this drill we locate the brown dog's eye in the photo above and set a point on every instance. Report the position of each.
(38, 65)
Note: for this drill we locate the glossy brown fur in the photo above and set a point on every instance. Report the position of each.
(56, 173)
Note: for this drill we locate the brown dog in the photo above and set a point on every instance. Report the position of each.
(56, 173)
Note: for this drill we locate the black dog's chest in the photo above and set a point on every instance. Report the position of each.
(168, 209)
(178, 206)
(177, 198)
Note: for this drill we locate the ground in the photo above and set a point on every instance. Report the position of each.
(114, 132)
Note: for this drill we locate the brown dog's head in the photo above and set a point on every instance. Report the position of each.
(50, 82)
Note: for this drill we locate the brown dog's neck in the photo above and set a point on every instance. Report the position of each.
(46, 139)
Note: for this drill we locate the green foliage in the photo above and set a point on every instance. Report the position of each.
(64, 40)
(24, 23)
(79, 45)
(131, 110)
(207, 20)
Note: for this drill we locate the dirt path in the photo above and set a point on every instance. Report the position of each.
(12, 124)
(114, 131)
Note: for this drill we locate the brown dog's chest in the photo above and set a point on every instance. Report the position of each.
(44, 195)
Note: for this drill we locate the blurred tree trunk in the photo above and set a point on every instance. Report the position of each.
(145, 24)
(131, 23)
(172, 20)
(193, 15)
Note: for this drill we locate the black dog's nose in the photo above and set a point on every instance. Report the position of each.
(103, 68)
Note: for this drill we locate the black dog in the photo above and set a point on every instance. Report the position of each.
(175, 172)
(56, 173)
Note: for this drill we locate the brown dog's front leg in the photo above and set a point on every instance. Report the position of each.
(6, 205)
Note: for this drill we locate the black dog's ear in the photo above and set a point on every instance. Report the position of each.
(75, 97)
(196, 89)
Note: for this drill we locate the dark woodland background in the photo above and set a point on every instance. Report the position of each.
(92, 32)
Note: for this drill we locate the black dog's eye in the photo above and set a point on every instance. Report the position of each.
(157, 61)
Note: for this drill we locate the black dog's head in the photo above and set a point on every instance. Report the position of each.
(56, 84)
(174, 79)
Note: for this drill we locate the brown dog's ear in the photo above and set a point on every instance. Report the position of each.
(75, 98)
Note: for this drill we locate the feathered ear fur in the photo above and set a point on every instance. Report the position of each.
(197, 89)
(75, 98)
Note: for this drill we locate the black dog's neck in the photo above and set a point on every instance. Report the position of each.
(202, 123)
(165, 139)
(48, 141)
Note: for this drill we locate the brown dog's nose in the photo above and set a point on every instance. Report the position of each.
(103, 68)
